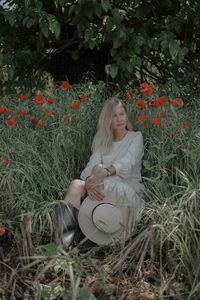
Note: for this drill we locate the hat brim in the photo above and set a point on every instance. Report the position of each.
(92, 232)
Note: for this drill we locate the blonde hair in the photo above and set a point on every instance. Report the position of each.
(103, 138)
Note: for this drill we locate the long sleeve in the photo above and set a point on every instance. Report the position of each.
(95, 159)
(132, 159)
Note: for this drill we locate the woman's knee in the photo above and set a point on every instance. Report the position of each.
(77, 183)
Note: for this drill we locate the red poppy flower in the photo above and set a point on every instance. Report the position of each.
(142, 119)
(75, 105)
(50, 101)
(83, 98)
(163, 115)
(2, 110)
(33, 120)
(175, 133)
(11, 122)
(22, 113)
(8, 111)
(4, 161)
(152, 103)
(161, 101)
(186, 124)
(65, 85)
(158, 102)
(49, 114)
(140, 104)
(146, 89)
(39, 99)
(2, 230)
(156, 121)
(68, 118)
(178, 102)
(129, 94)
(23, 97)
(40, 124)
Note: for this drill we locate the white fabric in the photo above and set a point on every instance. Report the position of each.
(125, 156)
(102, 220)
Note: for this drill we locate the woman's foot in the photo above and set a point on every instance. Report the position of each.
(65, 215)
(67, 238)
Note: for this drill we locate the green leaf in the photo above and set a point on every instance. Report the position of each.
(62, 2)
(44, 26)
(116, 43)
(107, 69)
(169, 157)
(140, 12)
(164, 45)
(39, 5)
(57, 30)
(29, 23)
(117, 16)
(71, 9)
(193, 47)
(140, 40)
(51, 249)
(182, 53)
(122, 33)
(106, 5)
(113, 52)
(92, 43)
(147, 165)
(54, 26)
(174, 46)
(113, 71)
(1, 59)
(84, 294)
(139, 61)
(25, 20)
(11, 20)
(98, 10)
(27, 3)
(11, 73)
(129, 67)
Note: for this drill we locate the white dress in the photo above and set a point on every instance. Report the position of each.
(125, 156)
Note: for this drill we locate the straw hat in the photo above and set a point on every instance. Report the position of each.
(105, 221)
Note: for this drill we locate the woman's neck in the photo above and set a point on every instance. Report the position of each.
(119, 135)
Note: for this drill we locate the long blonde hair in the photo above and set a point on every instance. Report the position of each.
(103, 138)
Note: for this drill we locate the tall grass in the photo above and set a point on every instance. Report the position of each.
(42, 162)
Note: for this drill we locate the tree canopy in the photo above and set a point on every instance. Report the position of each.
(145, 38)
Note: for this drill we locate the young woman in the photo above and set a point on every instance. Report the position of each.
(114, 166)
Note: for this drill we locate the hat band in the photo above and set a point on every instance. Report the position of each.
(107, 220)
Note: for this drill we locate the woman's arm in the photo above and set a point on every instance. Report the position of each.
(94, 160)
(94, 183)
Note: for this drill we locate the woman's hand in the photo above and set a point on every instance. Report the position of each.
(94, 188)
(99, 171)
(94, 183)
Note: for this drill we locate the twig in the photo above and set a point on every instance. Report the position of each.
(130, 248)
(24, 241)
(13, 289)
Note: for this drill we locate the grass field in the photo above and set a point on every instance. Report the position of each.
(45, 143)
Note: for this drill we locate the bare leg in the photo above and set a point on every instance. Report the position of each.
(75, 193)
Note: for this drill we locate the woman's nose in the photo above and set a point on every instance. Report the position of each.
(118, 118)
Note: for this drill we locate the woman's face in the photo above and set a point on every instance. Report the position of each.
(119, 120)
